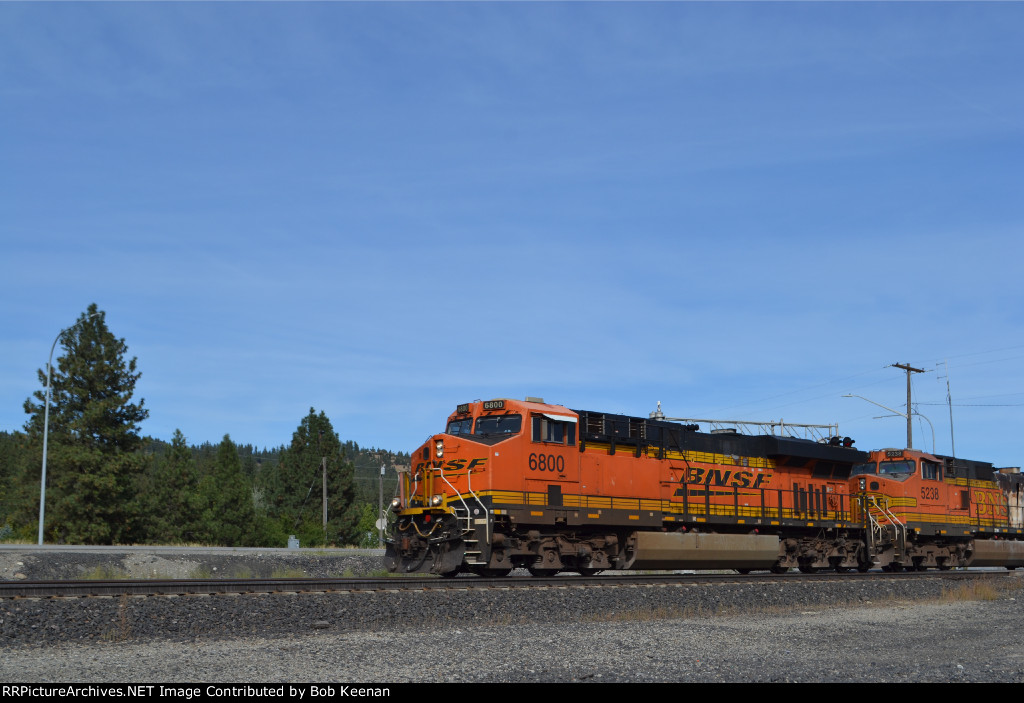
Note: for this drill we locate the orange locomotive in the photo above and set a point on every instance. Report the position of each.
(525, 484)
(924, 510)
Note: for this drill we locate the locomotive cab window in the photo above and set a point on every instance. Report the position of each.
(867, 468)
(553, 429)
(461, 426)
(499, 424)
(899, 470)
(931, 470)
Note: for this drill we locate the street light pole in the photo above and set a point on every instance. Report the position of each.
(906, 415)
(930, 425)
(46, 419)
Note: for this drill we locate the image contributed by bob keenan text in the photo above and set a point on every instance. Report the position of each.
(193, 692)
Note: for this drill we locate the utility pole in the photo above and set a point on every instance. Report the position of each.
(909, 369)
(323, 464)
(380, 509)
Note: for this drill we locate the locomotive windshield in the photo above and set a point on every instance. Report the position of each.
(868, 468)
(899, 470)
(499, 424)
(463, 426)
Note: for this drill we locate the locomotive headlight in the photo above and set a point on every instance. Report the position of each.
(396, 504)
(436, 500)
(439, 448)
(863, 484)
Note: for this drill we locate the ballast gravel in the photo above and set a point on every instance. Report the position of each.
(789, 630)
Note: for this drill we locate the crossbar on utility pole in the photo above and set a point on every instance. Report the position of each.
(909, 369)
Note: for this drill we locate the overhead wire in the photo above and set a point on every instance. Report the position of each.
(989, 351)
(797, 390)
(754, 403)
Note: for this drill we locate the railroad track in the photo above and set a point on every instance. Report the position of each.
(181, 587)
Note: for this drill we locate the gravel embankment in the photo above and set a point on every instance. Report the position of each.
(69, 563)
(969, 642)
(792, 629)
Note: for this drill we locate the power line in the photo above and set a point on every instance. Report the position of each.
(990, 351)
(798, 390)
(989, 361)
(979, 405)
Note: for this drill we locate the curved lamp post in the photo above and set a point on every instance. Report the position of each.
(46, 419)
(910, 444)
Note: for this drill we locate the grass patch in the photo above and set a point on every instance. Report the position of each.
(980, 589)
(106, 572)
(289, 573)
(349, 573)
(121, 630)
(201, 572)
(383, 573)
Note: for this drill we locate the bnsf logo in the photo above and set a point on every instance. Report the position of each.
(989, 504)
(453, 465)
(726, 477)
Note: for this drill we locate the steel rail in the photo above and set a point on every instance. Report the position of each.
(180, 587)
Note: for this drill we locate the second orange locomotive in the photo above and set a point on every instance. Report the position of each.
(525, 484)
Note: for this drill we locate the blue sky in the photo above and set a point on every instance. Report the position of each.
(381, 210)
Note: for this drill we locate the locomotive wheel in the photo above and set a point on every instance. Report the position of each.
(864, 568)
(588, 572)
(779, 569)
(540, 573)
(808, 569)
(492, 573)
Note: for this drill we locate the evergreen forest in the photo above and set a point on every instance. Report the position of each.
(106, 483)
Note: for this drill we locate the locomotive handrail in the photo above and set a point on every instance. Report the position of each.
(899, 529)
(487, 513)
(466, 530)
(440, 471)
(874, 531)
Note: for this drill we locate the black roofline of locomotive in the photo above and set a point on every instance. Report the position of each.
(955, 467)
(675, 436)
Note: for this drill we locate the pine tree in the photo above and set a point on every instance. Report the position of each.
(171, 495)
(228, 516)
(294, 489)
(94, 432)
(19, 485)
